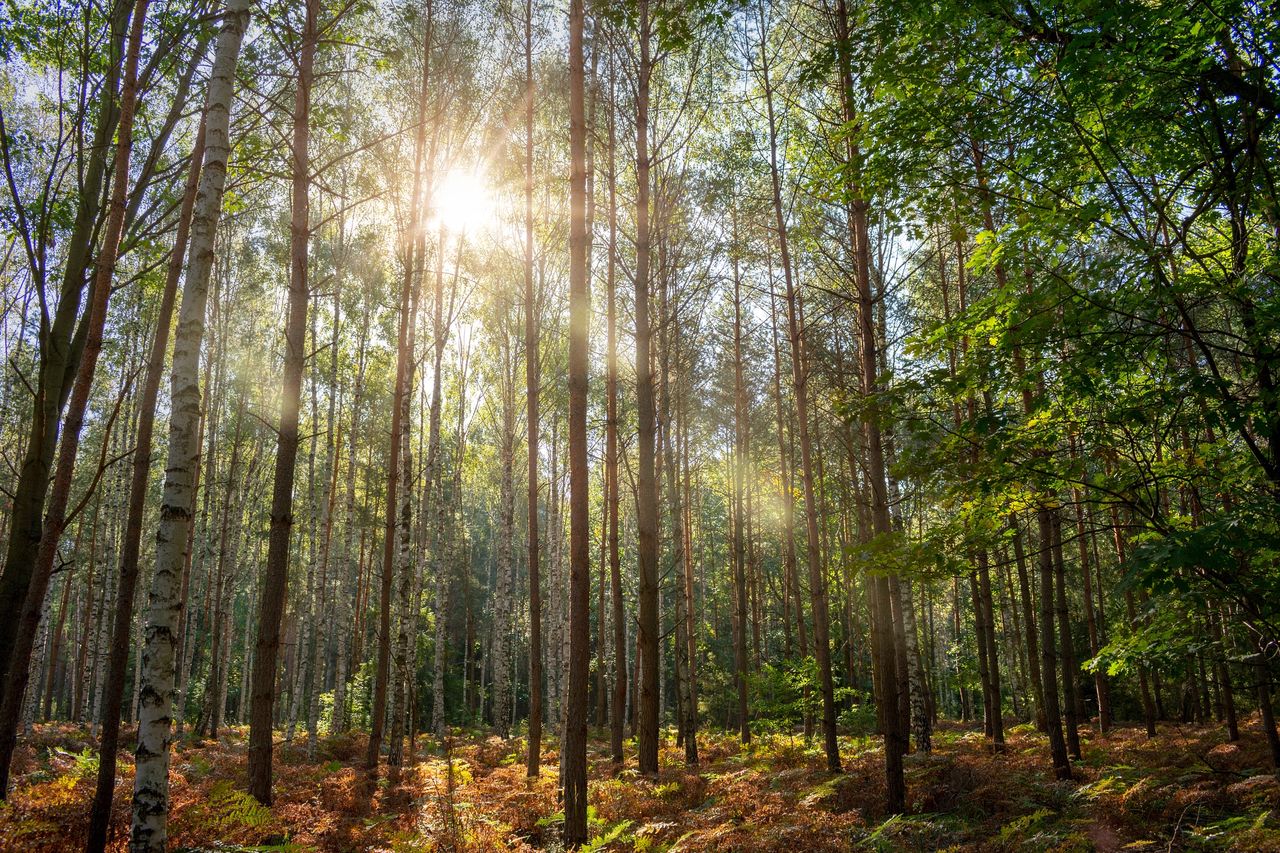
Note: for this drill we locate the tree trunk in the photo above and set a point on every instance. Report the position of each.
(618, 703)
(799, 374)
(1028, 609)
(1052, 714)
(276, 575)
(669, 374)
(348, 558)
(400, 675)
(574, 753)
(17, 669)
(506, 530)
(151, 781)
(1067, 651)
(533, 759)
(61, 343)
(993, 659)
(740, 456)
(646, 482)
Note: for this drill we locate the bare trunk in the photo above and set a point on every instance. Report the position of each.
(532, 389)
(740, 461)
(17, 669)
(574, 751)
(151, 783)
(646, 481)
(275, 577)
(61, 343)
(618, 703)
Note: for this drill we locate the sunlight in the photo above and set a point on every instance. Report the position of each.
(463, 203)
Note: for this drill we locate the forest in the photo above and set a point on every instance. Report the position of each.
(639, 425)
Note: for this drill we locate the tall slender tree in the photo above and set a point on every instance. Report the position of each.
(271, 597)
(574, 753)
(151, 779)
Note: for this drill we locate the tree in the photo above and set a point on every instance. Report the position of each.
(151, 780)
(532, 390)
(574, 752)
(275, 577)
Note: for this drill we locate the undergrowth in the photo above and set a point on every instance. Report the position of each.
(1186, 790)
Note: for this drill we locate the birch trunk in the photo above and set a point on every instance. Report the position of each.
(151, 783)
(105, 789)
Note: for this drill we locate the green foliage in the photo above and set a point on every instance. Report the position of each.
(617, 833)
(84, 764)
(230, 808)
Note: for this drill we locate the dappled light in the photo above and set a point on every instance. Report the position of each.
(639, 425)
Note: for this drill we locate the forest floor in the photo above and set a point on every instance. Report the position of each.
(1186, 790)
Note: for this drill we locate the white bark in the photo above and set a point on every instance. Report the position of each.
(151, 783)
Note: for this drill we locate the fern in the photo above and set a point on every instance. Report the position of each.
(602, 841)
(84, 764)
(234, 808)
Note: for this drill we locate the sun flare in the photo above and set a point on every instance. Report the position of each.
(463, 203)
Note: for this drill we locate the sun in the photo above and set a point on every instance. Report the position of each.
(462, 203)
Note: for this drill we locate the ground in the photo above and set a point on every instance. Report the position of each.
(1186, 790)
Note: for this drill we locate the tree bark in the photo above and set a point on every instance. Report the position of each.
(533, 759)
(276, 575)
(646, 481)
(1052, 713)
(28, 621)
(149, 832)
(799, 374)
(618, 705)
(740, 456)
(574, 754)
(1067, 651)
(61, 343)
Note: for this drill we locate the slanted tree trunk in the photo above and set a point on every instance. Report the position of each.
(151, 781)
(16, 672)
(130, 547)
(276, 575)
(61, 343)
(378, 712)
